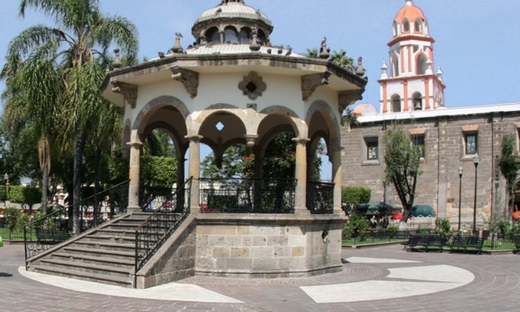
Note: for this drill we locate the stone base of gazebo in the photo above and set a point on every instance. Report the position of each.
(270, 246)
(247, 246)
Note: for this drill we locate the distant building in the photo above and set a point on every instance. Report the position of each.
(413, 94)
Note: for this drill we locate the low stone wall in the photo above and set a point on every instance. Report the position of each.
(268, 245)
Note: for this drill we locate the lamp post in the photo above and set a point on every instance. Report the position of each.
(476, 160)
(460, 192)
(6, 178)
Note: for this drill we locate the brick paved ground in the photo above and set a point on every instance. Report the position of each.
(496, 287)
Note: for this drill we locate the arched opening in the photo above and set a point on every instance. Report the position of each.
(213, 35)
(395, 29)
(421, 64)
(396, 103)
(406, 26)
(417, 101)
(244, 36)
(418, 25)
(230, 35)
(395, 66)
(261, 37)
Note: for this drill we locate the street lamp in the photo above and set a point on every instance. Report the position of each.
(460, 192)
(476, 160)
(6, 178)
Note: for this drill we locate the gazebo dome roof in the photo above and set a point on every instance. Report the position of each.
(233, 9)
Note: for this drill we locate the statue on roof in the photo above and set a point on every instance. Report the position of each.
(232, 1)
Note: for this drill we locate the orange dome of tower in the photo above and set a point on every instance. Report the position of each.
(410, 20)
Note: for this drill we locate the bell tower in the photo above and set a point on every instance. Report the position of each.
(408, 83)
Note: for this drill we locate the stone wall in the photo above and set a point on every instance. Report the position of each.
(438, 185)
(268, 246)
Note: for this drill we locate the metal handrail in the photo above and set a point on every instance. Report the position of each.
(57, 236)
(157, 228)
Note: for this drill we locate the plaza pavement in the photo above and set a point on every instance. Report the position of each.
(374, 279)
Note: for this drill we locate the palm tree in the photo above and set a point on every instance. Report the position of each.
(340, 58)
(81, 38)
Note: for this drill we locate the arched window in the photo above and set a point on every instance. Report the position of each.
(406, 26)
(212, 35)
(421, 64)
(395, 67)
(230, 35)
(261, 37)
(396, 29)
(244, 36)
(396, 103)
(418, 26)
(417, 101)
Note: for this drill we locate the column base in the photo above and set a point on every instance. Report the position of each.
(133, 209)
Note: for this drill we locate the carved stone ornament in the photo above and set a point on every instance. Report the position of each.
(253, 85)
(311, 82)
(189, 79)
(346, 98)
(129, 92)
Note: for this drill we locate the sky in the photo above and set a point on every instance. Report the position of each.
(477, 42)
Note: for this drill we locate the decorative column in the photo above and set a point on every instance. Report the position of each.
(301, 176)
(194, 171)
(135, 169)
(336, 178)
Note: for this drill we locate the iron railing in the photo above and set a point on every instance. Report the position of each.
(43, 233)
(151, 197)
(247, 195)
(320, 197)
(155, 230)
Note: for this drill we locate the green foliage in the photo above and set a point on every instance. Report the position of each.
(22, 221)
(402, 161)
(443, 228)
(158, 171)
(11, 216)
(349, 119)
(26, 196)
(355, 194)
(509, 168)
(392, 230)
(356, 225)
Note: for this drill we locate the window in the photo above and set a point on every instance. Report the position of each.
(372, 148)
(418, 142)
(470, 141)
(406, 26)
(212, 35)
(396, 103)
(418, 25)
(395, 67)
(417, 101)
(421, 65)
(244, 36)
(230, 35)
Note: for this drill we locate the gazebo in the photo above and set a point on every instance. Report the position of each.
(233, 86)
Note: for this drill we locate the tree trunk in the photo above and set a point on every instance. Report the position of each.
(45, 187)
(96, 201)
(78, 172)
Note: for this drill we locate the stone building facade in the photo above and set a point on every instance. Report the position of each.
(412, 95)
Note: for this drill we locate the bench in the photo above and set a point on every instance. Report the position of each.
(467, 242)
(424, 240)
(51, 237)
(516, 239)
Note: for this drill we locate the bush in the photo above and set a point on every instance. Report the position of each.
(355, 194)
(355, 225)
(443, 228)
(392, 231)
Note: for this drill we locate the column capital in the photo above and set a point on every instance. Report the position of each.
(194, 138)
(302, 141)
(134, 144)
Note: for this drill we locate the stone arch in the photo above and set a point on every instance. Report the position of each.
(396, 104)
(296, 123)
(417, 100)
(420, 63)
(328, 113)
(180, 143)
(157, 103)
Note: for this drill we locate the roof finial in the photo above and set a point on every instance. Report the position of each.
(409, 2)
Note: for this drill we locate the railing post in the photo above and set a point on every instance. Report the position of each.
(136, 257)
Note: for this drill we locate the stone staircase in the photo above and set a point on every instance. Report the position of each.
(104, 255)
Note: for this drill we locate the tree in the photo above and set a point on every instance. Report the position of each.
(79, 43)
(509, 168)
(312, 53)
(341, 59)
(402, 161)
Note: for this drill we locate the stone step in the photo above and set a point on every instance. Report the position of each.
(117, 254)
(104, 245)
(95, 268)
(87, 276)
(95, 258)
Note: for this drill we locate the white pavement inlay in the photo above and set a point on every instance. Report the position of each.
(420, 281)
(170, 292)
(377, 260)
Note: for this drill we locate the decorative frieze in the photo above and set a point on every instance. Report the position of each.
(128, 90)
(188, 78)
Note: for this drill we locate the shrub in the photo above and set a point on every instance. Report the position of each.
(355, 194)
(443, 228)
(355, 225)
